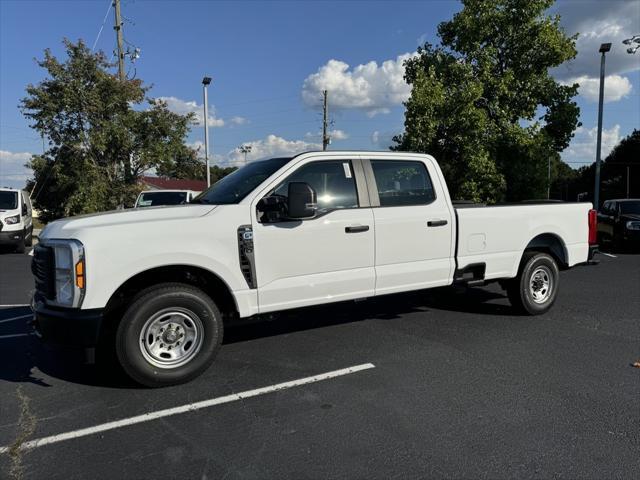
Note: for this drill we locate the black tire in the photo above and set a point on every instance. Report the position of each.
(134, 353)
(29, 243)
(534, 299)
(20, 246)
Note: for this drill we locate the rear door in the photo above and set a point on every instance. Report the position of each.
(413, 224)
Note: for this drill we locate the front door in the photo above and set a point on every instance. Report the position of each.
(324, 259)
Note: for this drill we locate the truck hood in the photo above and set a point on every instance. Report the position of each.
(71, 227)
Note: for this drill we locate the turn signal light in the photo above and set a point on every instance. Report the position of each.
(80, 274)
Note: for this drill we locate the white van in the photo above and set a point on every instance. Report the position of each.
(16, 221)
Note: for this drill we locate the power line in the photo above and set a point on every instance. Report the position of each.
(102, 26)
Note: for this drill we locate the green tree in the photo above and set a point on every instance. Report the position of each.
(621, 164)
(484, 103)
(186, 164)
(103, 134)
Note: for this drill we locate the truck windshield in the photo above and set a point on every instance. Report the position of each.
(8, 200)
(234, 187)
(630, 207)
(161, 198)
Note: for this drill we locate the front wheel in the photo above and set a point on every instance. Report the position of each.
(169, 335)
(535, 289)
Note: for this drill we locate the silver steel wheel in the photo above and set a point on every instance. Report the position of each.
(171, 337)
(541, 284)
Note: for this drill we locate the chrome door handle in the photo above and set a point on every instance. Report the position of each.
(356, 229)
(436, 223)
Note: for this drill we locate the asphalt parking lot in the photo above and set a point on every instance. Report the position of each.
(458, 387)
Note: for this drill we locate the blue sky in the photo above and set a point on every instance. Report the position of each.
(270, 60)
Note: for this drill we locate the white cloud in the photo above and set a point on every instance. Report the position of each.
(270, 146)
(336, 134)
(238, 120)
(383, 140)
(422, 39)
(615, 87)
(597, 22)
(582, 149)
(13, 172)
(184, 107)
(370, 87)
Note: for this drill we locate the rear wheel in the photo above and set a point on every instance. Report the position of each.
(535, 289)
(170, 334)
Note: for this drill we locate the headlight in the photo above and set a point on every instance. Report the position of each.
(12, 220)
(633, 225)
(69, 272)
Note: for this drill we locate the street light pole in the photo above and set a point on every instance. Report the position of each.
(604, 48)
(245, 149)
(205, 82)
(631, 50)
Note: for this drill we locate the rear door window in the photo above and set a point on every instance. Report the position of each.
(402, 183)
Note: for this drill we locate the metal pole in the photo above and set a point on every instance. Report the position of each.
(118, 28)
(206, 135)
(325, 137)
(596, 192)
(627, 181)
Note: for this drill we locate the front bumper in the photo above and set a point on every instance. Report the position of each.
(11, 237)
(67, 326)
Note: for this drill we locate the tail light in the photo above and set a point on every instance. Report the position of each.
(593, 227)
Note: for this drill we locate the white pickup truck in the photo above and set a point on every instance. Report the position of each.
(159, 283)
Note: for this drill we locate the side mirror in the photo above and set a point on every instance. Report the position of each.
(302, 202)
(272, 208)
(24, 209)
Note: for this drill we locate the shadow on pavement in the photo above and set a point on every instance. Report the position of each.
(23, 356)
(388, 307)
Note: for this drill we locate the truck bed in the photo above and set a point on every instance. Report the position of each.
(497, 235)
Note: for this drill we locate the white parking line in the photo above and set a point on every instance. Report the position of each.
(13, 319)
(191, 407)
(16, 305)
(608, 254)
(2, 337)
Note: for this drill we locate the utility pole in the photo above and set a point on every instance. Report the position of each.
(205, 82)
(325, 135)
(604, 48)
(118, 28)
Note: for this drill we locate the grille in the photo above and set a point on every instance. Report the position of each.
(43, 269)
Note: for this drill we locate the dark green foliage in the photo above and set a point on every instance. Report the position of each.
(103, 135)
(613, 174)
(484, 104)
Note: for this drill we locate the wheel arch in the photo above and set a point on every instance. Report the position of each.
(551, 244)
(210, 283)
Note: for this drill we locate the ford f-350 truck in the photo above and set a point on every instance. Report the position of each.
(158, 284)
